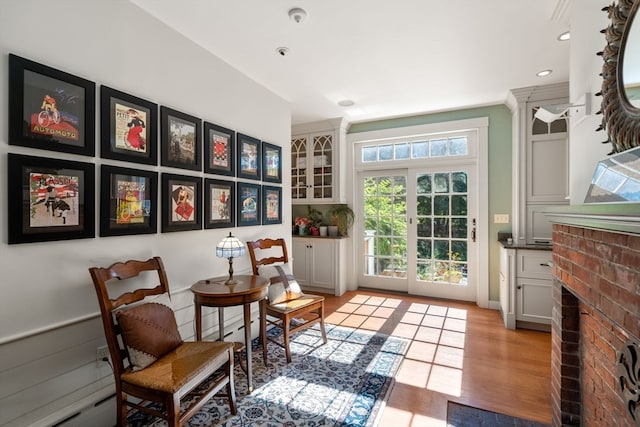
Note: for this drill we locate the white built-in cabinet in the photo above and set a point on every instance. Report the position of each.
(526, 287)
(540, 161)
(318, 162)
(317, 264)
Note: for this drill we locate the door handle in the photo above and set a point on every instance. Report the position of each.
(473, 230)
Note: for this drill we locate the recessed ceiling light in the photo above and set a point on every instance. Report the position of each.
(346, 103)
(282, 50)
(564, 36)
(544, 73)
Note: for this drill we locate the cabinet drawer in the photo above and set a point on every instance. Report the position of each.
(534, 264)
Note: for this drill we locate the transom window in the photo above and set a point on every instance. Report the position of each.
(437, 147)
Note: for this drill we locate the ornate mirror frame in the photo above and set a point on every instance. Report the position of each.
(620, 119)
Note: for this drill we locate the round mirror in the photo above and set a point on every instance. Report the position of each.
(620, 106)
(631, 61)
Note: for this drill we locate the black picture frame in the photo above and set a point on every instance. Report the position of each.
(128, 201)
(249, 157)
(219, 147)
(219, 203)
(181, 138)
(181, 203)
(49, 199)
(50, 109)
(128, 127)
(271, 205)
(248, 211)
(271, 162)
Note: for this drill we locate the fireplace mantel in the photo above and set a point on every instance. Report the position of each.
(615, 217)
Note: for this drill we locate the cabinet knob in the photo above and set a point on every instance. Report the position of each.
(520, 287)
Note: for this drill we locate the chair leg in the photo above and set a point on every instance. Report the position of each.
(263, 329)
(173, 411)
(322, 329)
(285, 337)
(231, 390)
(122, 410)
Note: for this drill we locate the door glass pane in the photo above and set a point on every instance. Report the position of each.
(441, 183)
(424, 205)
(441, 205)
(459, 182)
(424, 227)
(441, 249)
(442, 228)
(458, 205)
(424, 184)
(459, 228)
(385, 234)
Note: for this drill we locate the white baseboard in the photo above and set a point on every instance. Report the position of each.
(494, 305)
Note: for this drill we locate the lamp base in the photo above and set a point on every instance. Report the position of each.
(231, 281)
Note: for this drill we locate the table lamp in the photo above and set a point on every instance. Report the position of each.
(230, 247)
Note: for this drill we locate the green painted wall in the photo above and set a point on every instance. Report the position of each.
(499, 168)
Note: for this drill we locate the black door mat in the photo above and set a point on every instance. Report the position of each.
(467, 416)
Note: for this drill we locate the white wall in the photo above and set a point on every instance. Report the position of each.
(46, 285)
(585, 146)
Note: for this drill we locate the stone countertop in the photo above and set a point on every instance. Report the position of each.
(309, 236)
(533, 246)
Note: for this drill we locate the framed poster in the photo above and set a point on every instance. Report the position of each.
(248, 204)
(50, 109)
(128, 127)
(271, 162)
(219, 144)
(50, 199)
(181, 203)
(181, 140)
(219, 203)
(271, 205)
(128, 201)
(248, 157)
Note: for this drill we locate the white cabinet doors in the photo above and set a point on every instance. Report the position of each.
(315, 264)
(534, 286)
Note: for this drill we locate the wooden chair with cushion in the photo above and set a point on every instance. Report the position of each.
(285, 300)
(150, 361)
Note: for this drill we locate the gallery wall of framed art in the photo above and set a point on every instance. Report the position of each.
(54, 111)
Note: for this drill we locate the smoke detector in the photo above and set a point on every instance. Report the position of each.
(297, 15)
(282, 51)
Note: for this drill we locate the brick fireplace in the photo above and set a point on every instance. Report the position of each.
(595, 314)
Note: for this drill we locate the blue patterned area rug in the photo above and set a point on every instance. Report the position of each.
(342, 383)
(467, 416)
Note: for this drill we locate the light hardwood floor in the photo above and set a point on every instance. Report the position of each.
(459, 352)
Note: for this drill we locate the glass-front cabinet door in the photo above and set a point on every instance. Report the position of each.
(299, 168)
(312, 174)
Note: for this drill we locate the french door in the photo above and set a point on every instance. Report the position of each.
(418, 231)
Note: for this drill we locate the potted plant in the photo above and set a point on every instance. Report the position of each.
(302, 223)
(343, 217)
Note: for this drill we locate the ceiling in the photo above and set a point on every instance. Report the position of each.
(391, 59)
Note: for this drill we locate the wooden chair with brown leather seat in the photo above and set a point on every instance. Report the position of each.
(150, 361)
(286, 303)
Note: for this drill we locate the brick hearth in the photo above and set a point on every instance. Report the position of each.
(596, 306)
